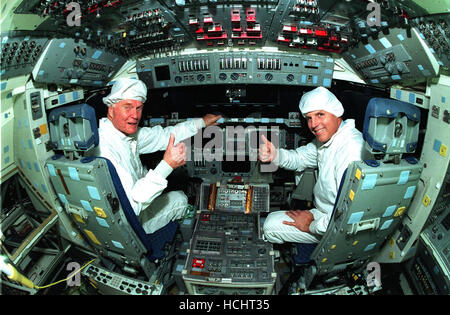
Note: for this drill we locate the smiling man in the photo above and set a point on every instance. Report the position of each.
(122, 141)
(336, 144)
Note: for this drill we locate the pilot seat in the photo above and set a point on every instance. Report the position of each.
(373, 197)
(90, 191)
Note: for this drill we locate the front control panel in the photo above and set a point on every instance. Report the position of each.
(237, 67)
(228, 256)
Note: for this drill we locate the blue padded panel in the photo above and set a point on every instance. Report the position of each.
(388, 108)
(80, 111)
(304, 252)
(126, 206)
(153, 243)
(339, 191)
(160, 238)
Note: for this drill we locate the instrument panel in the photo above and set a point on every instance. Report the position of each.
(202, 42)
(236, 67)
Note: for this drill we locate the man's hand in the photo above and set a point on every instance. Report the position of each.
(175, 155)
(267, 151)
(302, 219)
(211, 120)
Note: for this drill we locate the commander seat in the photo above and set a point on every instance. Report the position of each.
(90, 190)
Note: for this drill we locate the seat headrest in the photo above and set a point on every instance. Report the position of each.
(73, 128)
(391, 126)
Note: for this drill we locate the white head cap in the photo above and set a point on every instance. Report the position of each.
(320, 99)
(125, 89)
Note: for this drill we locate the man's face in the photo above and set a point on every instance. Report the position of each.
(322, 124)
(125, 115)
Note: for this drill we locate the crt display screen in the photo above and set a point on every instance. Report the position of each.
(162, 73)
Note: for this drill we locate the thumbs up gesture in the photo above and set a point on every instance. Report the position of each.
(175, 155)
(267, 151)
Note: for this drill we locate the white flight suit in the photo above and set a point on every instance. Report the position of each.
(143, 188)
(332, 159)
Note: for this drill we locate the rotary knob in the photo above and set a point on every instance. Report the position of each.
(290, 77)
(268, 76)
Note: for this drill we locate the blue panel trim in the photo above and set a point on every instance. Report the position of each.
(355, 217)
(389, 211)
(409, 192)
(386, 43)
(403, 178)
(73, 173)
(370, 247)
(102, 222)
(117, 244)
(370, 49)
(369, 181)
(51, 169)
(437, 145)
(93, 192)
(86, 205)
(386, 224)
(63, 198)
(97, 54)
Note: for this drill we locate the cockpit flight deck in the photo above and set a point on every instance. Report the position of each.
(224, 147)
